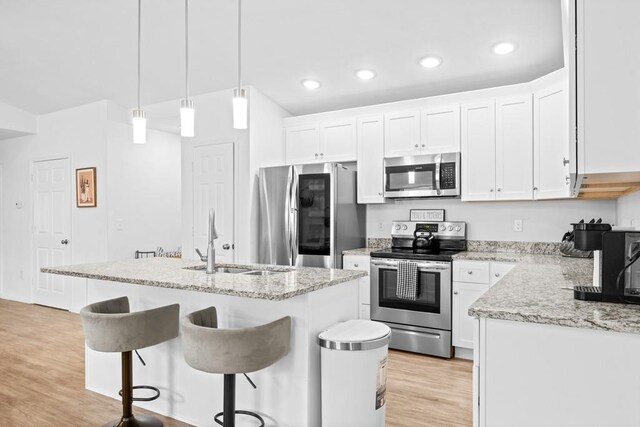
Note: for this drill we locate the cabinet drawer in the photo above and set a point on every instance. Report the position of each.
(499, 270)
(471, 272)
(354, 262)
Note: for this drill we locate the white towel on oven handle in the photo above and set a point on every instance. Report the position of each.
(407, 282)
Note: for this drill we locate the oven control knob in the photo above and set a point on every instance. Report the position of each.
(404, 227)
(450, 228)
(397, 227)
(443, 227)
(458, 228)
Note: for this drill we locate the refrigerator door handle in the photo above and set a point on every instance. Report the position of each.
(293, 229)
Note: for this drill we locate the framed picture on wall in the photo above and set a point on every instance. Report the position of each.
(86, 191)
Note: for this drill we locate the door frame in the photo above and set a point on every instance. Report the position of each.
(236, 198)
(1, 232)
(32, 240)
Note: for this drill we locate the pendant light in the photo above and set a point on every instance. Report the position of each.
(139, 117)
(240, 102)
(187, 113)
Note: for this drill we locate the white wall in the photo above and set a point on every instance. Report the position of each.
(543, 221)
(144, 192)
(629, 210)
(15, 122)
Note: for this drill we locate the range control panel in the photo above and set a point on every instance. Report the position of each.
(444, 229)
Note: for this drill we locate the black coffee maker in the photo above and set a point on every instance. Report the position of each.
(618, 278)
(424, 241)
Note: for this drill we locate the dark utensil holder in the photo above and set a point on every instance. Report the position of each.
(588, 237)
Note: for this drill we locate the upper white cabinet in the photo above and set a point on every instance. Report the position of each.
(440, 129)
(402, 134)
(551, 142)
(514, 148)
(333, 141)
(478, 151)
(302, 144)
(338, 141)
(370, 159)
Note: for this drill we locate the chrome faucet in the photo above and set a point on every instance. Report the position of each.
(210, 259)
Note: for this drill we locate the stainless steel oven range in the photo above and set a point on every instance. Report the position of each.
(421, 324)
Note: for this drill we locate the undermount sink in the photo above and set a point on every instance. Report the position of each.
(234, 270)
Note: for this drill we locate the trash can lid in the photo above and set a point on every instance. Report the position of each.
(355, 335)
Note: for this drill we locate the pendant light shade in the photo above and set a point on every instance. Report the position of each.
(240, 109)
(187, 112)
(240, 101)
(139, 127)
(187, 118)
(139, 120)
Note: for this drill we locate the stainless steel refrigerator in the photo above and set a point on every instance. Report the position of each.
(309, 215)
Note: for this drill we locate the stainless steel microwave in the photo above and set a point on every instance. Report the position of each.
(432, 175)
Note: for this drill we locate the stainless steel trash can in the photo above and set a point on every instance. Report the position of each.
(354, 373)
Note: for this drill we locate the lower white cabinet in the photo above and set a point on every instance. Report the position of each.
(361, 262)
(471, 279)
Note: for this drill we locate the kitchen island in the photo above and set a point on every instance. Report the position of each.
(288, 392)
(543, 358)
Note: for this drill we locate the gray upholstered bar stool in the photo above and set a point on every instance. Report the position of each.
(232, 351)
(109, 326)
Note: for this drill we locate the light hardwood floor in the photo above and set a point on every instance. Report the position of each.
(42, 378)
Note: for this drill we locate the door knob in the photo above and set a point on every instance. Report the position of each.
(416, 146)
(65, 242)
(497, 274)
(226, 246)
(455, 292)
(565, 162)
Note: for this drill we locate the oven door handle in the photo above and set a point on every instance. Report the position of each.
(421, 333)
(421, 267)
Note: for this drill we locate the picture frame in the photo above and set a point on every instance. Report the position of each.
(426, 214)
(86, 189)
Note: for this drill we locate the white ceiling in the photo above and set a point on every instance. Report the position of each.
(56, 54)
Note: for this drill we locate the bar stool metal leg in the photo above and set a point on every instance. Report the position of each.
(128, 419)
(229, 405)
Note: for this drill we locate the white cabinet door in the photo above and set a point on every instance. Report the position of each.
(338, 141)
(370, 159)
(440, 130)
(402, 134)
(464, 294)
(551, 143)
(514, 148)
(362, 263)
(302, 144)
(498, 271)
(478, 151)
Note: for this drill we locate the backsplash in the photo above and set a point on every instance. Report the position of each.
(489, 246)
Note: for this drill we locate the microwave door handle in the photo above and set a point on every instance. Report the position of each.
(294, 215)
(438, 165)
(288, 216)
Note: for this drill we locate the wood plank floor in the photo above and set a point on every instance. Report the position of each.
(42, 378)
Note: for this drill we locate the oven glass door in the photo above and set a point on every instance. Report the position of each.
(411, 177)
(428, 291)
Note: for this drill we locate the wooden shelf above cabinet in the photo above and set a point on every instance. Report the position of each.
(609, 185)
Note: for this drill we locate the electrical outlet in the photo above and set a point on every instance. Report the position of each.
(21, 275)
(517, 225)
(380, 226)
(119, 225)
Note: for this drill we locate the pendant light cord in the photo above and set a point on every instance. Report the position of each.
(186, 47)
(139, 25)
(239, 43)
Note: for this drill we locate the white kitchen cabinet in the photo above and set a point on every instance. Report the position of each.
(362, 263)
(302, 144)
(333, 141)
(464, 294)
(514, 148)
(338, 141)
(402, 134)
(370, 159)
(551, 142)
(478, 151)
(440, 129)
(498, 270)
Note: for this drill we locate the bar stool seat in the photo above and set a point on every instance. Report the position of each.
(232, 351)
(109, 326)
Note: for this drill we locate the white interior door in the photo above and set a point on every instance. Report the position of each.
(213, 187)
(52, 231)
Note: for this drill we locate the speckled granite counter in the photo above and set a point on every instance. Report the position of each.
(360, 251)
(175, 273)
(535, 292)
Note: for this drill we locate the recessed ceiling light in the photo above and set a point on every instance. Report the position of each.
(365, 74)
(431, 61)
(503, 48)
(311, 84)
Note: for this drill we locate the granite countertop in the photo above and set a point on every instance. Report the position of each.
(180, 274)
(535, 292)
(359, 251)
